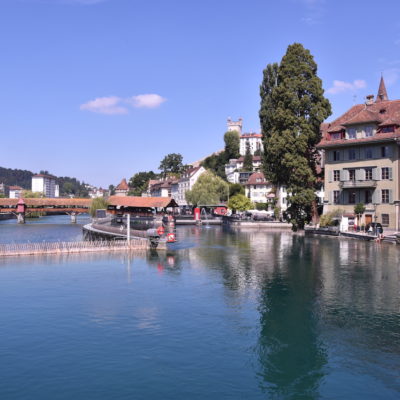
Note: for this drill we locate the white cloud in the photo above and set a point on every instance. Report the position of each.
(105, 105)
(146, 100)
(341, 86)
(112, 105)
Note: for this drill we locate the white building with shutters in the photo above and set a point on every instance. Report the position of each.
(362, 153)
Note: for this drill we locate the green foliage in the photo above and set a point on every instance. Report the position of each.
(99, 203)
(232, 144)
(293, 107)
(236, 188)
(28, 194)
(239, 202)
(16, 177)
(248, 159)
(209, 189)
(277, 212)
(171, 163)
(2, 196)
(359, 209)
(139, 182)
(111, 190)
(329, 218)
(261, 206)
(258, 152)
(216, 164)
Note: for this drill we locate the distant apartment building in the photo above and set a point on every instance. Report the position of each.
(251, 140)
(233, 170)
(95, 192)
(15, 192)
(259, 190)
(46, 184)
(161, 187)
(122, 189)
(186, 183)
(362, 160)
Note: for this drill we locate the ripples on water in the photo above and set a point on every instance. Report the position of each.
(224, 315)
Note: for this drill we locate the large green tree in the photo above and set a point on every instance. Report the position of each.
(248, 159)
(293, 107)
(139, 182)
(240, 202)
(232, 144)
(171, 163)
(209, 189)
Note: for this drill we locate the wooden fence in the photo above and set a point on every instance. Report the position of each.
(23, 249)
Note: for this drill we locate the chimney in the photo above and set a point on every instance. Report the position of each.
(369, 99)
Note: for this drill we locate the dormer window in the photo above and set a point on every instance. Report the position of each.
(351, 133)
(336, 136)
(387, 129)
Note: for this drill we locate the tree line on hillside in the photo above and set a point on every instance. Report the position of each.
(23, 178)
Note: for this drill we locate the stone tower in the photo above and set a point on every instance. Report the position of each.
(235, 125)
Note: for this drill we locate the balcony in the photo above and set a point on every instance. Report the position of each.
(357, 184)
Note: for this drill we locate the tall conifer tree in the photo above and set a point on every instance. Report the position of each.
(293, 107)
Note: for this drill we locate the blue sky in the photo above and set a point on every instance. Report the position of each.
(102, 89)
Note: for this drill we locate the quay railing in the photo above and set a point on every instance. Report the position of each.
(23, 249)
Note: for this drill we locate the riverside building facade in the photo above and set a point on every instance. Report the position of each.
(361, 160)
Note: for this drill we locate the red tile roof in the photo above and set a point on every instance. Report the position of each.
(16, 188)
(254, 179)
(47, 202)
(142, 202)
(250, 135)
(255, 158)
(123, 185)
(382, 112)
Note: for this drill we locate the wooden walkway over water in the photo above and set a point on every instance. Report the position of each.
(25, 249)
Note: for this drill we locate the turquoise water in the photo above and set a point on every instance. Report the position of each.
(223, 315)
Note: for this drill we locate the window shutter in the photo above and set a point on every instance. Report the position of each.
(344, 155)
(342, 175)
(344, 197)
(375, 174)
(362, 153)
(330, 176)
(376, 152)
(330, 155)
(331, 197)
(390, 151)
(390, 196)
(376, 196)
(390, 173)
(362, 174)
(358, 174)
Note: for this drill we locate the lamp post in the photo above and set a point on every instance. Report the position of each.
(375, 217)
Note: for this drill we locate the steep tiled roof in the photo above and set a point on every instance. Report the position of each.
(47, 202)
(382, 113)
(15, 188)
(254, 179)
(255, 158)
(123, 185)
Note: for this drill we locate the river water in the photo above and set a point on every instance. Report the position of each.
(223, 315)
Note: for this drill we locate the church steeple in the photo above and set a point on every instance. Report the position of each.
(382, 93)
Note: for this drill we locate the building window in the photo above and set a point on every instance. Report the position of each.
(352, 175)
(368, 197)
(336, 136)
(352, 154)
(385, 173)
(336, 175)
(352, 197)
(385, 219)
(369, 131)
(351, 133)
(336, 196)
(368, 152)
(385, 196)
(385, 151)
(336, 155)
(387, 129)
(368, 174)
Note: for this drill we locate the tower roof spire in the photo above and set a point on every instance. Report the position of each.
(382, 93)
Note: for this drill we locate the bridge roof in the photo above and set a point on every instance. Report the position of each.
(47, 202)
(142, 202)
